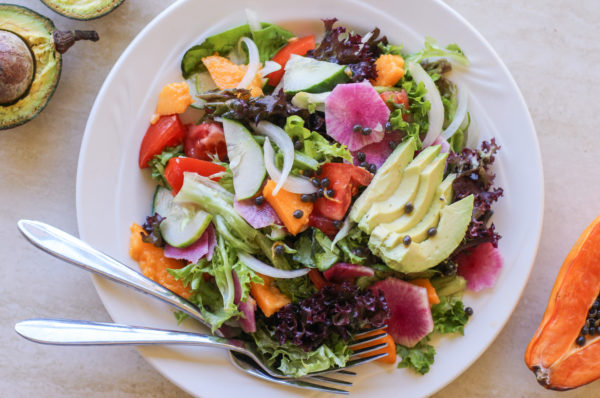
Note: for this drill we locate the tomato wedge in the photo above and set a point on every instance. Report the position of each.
(167, 131)
(299, 47)
(344, 180)
(323, 223)
(177, 166)
(398, 97)
(205, 141)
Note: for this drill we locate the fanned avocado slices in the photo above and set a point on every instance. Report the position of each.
(82, 9)
(30, 62)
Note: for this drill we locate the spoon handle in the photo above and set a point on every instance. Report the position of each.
(73, 250)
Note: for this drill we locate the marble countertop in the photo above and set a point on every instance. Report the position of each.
(552, 50)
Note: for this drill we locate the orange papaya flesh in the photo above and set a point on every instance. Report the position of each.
(552, 354)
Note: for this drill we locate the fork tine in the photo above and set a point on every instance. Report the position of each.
(363, 332)
(346, 372)
(332, 380)
(361, 351)
(367, 339)
(360, 361)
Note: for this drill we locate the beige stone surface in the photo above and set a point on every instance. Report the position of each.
(553, 51)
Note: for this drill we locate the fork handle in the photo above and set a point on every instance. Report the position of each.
(73, 332)
(75, 251)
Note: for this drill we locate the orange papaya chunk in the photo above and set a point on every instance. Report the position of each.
(553, 354)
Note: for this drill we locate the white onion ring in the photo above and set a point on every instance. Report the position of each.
(472, 134)
(253, 21)
(270, 67)
(436, 111)
(265, 269)
(459, 115)
(292, 184)
(342, 233)
(253, 62)
(285, 145)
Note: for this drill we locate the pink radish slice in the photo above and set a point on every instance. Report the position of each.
(354, 104)
(378, 152)
(445, 146)
(345, 271)
(257, 216)
(248, 308)
(480, 266)
(410, 316)
(204, 246)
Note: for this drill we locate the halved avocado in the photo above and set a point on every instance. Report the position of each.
(82, 9)
(29, 41)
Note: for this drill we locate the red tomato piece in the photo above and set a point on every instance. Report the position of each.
(205, 140)
(344, 180)
(323, 223)
(398, 97)
(299, 47)
(177, 166)
(167, 131)
(317, 279)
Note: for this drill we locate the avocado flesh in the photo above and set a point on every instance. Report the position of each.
(393, 207)
(429, 181)
(420, 256)
(386, 178)
(36, 31)
(418, 233)
(82, 9)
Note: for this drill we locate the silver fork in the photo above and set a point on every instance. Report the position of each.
(70, 249)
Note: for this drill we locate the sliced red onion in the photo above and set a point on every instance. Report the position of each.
(270, 67)
(436, 111)
(265, 269)
(459, 115)
(445, 146)
(253, 62)
(291, 184)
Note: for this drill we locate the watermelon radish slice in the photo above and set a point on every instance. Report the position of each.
(257, 216)
(441, 141)
(248, 308)
(354, 104)
(410, 316)
(347, 272)
(480, 266)
(378, 152)
(204, 246)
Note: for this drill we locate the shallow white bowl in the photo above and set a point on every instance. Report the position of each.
(112, 192)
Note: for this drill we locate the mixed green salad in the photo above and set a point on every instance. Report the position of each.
(325, 186)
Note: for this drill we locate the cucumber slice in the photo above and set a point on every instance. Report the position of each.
(245, 159)
(184, 225)
(312, 76)
(163, 201)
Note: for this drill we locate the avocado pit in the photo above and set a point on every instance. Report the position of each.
(17, 67)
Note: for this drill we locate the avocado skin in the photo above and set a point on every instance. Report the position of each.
(36, 31)
(99, 9)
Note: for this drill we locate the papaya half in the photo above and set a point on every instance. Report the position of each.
(564, 353)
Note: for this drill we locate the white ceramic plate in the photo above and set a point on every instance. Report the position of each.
(112, 192)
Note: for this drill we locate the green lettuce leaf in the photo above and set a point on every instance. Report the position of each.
(315, 146)
(418, 113)
(296, 289)
(158, 163)
(294, 361)
(313, 249)
(269, 40)
(419, 358)
(431, 49)
(356, 239)
(449, 316)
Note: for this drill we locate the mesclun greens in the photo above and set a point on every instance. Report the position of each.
(158, 163)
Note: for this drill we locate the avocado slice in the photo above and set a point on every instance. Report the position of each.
(23, 28)
(420, 256)
(82, 10)
(393, 207)
(419, 232)
(385, 180)
(429, 181)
